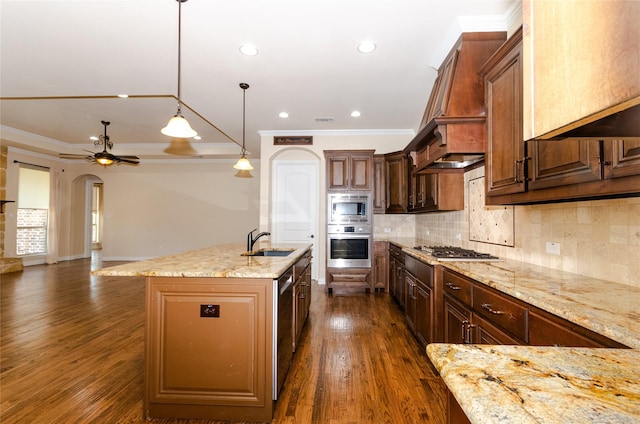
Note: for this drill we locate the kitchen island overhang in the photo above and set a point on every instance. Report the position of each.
(210, 330)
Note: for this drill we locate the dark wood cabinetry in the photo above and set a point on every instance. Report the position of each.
(476, 313)
(301, 295)
(419, 307)
(396, 274)
(397, 173)
(379, 200)
(569, 168)
(349, 170)
(380, 271)
(435, 191)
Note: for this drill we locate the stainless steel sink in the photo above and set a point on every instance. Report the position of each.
(269, 252)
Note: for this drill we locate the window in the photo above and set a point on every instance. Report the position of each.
(33, 211)
(96, 215)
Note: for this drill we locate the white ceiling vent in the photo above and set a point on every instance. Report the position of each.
(324, 119)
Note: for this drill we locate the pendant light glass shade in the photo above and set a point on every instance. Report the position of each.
(243, 165)
(178, 127)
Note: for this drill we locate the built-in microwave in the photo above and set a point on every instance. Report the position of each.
(349, 208)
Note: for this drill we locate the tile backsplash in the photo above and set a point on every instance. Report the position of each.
(597, 238)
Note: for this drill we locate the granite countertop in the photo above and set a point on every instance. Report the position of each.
(225, 260)
(606, 307)
(532, 384)
(529, 384)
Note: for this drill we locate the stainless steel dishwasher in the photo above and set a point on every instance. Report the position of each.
(282, 329)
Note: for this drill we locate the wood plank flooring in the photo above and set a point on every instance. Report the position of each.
(71, 351)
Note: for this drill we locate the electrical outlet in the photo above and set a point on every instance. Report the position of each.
(387, 229)
(458, 236)
(427, 233)
(553, 248)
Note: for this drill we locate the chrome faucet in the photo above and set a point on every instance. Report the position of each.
(252, 240)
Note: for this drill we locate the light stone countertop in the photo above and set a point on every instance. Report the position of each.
(225, 260)
(541, 385)
(605, 307)
(546, 385)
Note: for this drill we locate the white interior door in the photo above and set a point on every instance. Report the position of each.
(295, 203)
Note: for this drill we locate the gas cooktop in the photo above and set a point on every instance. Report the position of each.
(451, 253)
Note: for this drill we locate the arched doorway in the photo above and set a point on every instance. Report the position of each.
(86, 215)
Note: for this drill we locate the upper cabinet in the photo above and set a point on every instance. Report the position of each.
(397, 174)
(571, 167)
(349, 170)
(580, 65)
(452, 131)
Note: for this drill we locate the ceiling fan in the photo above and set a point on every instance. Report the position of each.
(103, 158)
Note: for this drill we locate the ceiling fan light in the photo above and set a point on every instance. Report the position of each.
(243, 164)
(180, 146)
(178, 127)
(243, 173)
(105, 161)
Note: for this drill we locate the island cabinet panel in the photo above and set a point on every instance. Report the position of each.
(209, 348)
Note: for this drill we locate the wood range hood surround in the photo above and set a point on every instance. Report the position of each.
(452, 130)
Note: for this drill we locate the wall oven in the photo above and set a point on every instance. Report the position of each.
(349, 246)
(348, 208)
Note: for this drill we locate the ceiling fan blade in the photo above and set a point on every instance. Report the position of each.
(72, 156)
(122, 159)
(129, 157)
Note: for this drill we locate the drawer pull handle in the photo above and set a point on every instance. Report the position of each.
(452, 287)
(487, 307)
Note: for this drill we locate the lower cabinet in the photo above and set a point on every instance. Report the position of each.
(348, 279)
(301, 296)
(380, 271)
(478, 314)
(419, 299)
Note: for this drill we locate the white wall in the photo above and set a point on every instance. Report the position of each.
(154, 209)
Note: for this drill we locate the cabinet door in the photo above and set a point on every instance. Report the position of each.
(380, 266)
(622, 157)
(564, 162)
(379, 185)
(505, 161)
(410, 300)
(361, 166)
(456, 321)
(396, 182)
(424, 318)
(338, 172)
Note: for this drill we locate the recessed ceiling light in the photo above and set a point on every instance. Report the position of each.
(248, 50)
(283, 115)
(93, 138)
(123, 96)
(366, 47)
(197, 137)
(355, 113)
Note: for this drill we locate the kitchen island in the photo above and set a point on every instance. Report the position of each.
(211, 331)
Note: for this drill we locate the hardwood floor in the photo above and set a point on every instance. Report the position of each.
(72, 352)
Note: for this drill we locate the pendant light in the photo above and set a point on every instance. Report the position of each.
(243, 165)
(178, 127)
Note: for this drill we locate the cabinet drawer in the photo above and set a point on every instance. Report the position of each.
(501, 311)
(457, 286)
(300, 266)
(350, 278)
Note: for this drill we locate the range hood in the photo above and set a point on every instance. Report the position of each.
(452, 133)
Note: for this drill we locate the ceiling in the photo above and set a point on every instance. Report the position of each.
(68, 60)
